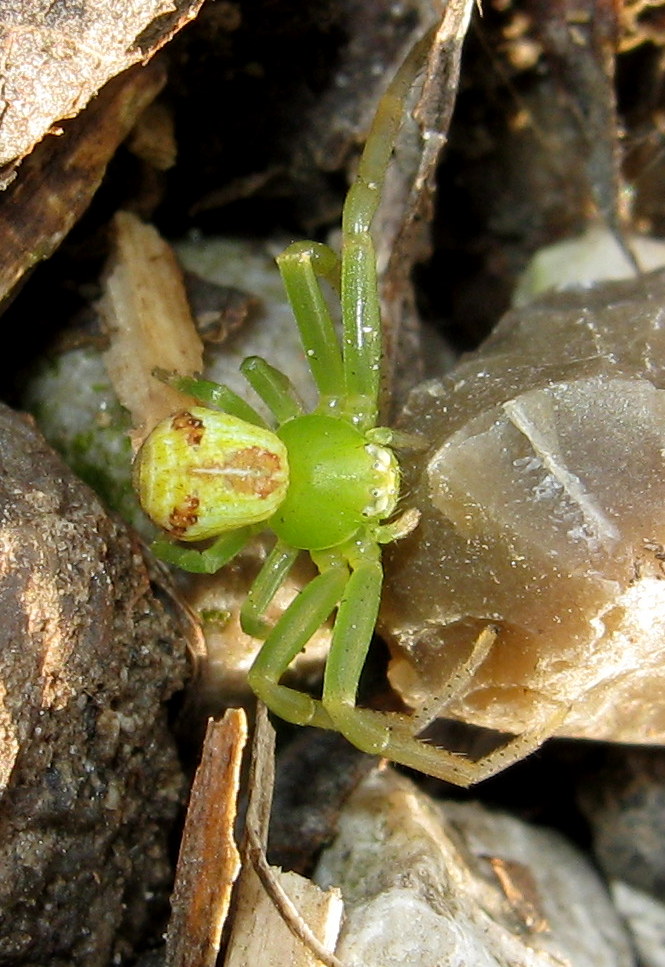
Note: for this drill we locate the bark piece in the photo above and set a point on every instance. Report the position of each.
(209, 861)
(59, 179)
(56, 56)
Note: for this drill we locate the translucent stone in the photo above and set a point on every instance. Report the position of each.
(543, 514)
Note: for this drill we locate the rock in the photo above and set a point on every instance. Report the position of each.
(90, 780)
(427, 883)
(542, 496)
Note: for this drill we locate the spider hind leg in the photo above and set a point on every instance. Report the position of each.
(394, 735)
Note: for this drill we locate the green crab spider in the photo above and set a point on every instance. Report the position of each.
(325, 482)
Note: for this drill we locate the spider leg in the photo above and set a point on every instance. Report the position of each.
(301, 265)
(364, 195)
(206, 561)
(302, 618)
(216, 395)
(391, 734)
(361, 322)
(460, 679)
(273, 386)
(361, 319)
(266, 584)
(352, 633)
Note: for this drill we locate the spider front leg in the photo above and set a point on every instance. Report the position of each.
(347, 379)
(293, 630)
(362, 340)
(301, 266)
(264, 588)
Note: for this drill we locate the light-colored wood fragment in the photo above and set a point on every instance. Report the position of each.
(149, 323)
(260, 935)
(281, 919)
(209, 861)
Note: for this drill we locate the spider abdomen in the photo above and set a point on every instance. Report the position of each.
(201, 473)
(338, 482)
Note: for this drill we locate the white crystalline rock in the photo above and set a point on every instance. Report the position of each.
(420, 888)
(645, 917)
(595, 256)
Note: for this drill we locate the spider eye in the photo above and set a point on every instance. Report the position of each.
(201, 473)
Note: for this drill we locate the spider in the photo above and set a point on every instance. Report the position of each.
(324, 482)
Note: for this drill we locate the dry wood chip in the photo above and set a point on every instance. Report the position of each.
(209, 862)
(281, 919)
(147, 316)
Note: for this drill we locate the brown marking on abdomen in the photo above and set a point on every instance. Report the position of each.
(192, 426)
(253, 471)
(184, 516)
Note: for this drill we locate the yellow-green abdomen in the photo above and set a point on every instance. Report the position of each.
(202, 472)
